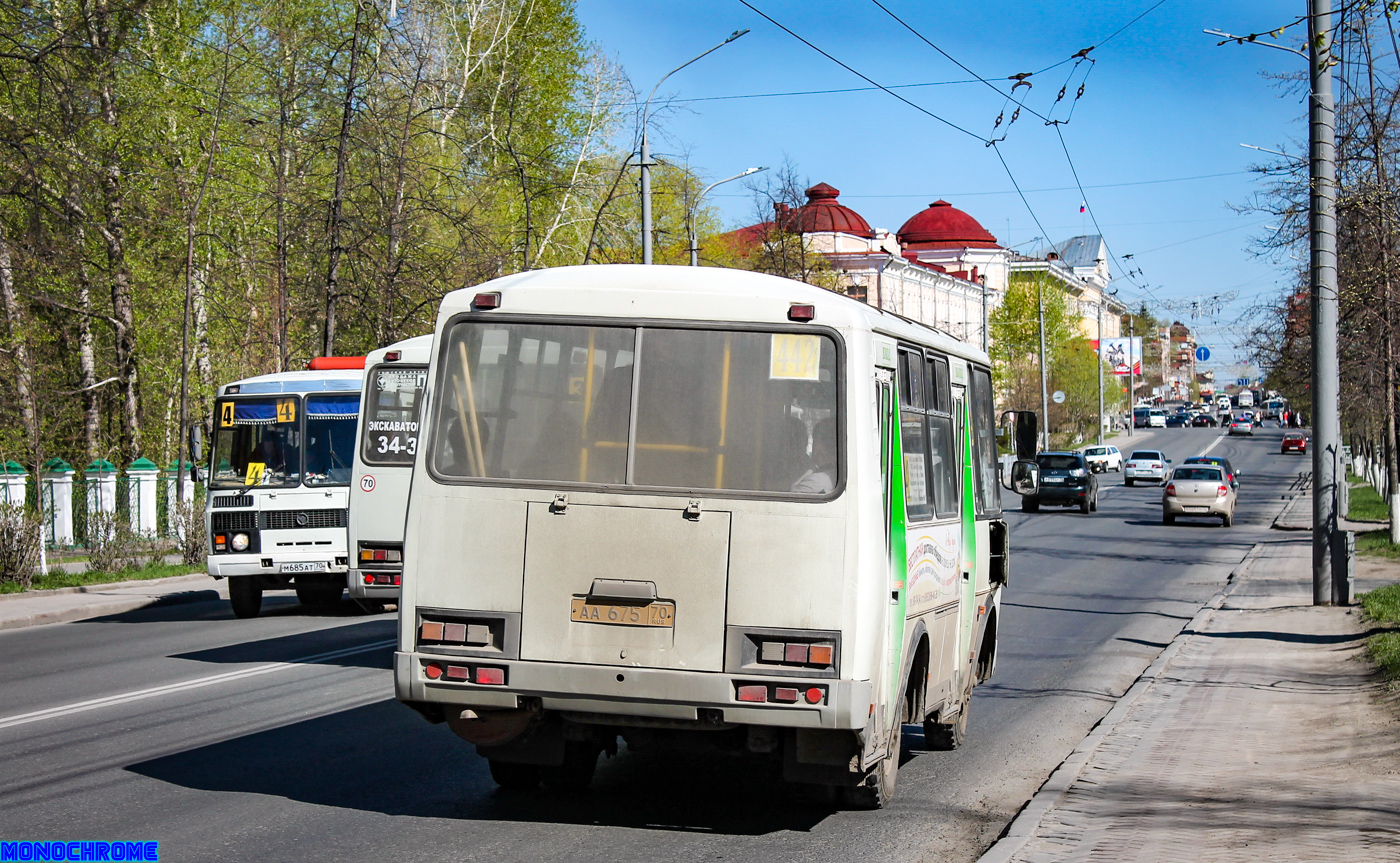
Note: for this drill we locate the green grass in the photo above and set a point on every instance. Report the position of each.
(1366, 505)
(77, 579)
(1376, 543)
(1383, 606)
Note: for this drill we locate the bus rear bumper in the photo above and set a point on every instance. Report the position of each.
(629, 693)
(355, 583)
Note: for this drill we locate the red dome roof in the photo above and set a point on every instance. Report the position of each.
(942, 226)
(823, 213)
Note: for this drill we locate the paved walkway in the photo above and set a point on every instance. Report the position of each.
(1258, 734)
(36, 607)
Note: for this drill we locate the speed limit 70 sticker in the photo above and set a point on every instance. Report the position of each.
(367, 483)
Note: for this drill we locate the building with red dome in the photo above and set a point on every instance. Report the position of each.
(941, 268)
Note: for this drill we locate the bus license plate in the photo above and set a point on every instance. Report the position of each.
(658, 614)
(310, 566)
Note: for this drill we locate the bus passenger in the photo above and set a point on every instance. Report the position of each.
(821, 479)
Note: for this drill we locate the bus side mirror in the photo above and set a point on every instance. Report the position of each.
(1025, 432)
(1025, 478)
(196, 443)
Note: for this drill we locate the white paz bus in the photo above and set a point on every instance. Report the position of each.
(279, 483)
(384, 452)
(657, 500)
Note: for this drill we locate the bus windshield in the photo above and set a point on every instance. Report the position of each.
(256, 442)
(713, 409)
(330, 438)
(391, 416)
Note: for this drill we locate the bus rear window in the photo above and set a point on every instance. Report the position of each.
(390, 434)
(713, 409)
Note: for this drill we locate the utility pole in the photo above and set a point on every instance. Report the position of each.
(695, 209)
(1044, 379)
(1132, 386)
(986, 334)
(1099, 359)
(645, 162)
(1325, 371)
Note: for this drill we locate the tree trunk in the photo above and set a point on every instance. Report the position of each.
(24, 373)
(342, 148)
(114, 236)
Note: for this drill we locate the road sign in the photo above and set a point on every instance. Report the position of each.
(1241, 382)
(1202, 354)
(1058, 397)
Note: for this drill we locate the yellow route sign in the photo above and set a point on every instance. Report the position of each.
(795, 357)
(256, 469)
(226, 415)
(286, 410)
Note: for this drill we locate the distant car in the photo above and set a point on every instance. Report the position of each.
(1294, 442)
(1232, 476)
(1203, 421)
(1146, 465)
(1178, 421)
(1065, 480)
(1102, 459)
(1198, 490)
(1239, 426)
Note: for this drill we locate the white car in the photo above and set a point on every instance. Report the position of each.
(1104, 458)
(1241, 425)
(1146, 465)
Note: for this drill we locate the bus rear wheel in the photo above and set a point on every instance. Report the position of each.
(576, 773)
(878, 789)
(947, 736)
(244, 595)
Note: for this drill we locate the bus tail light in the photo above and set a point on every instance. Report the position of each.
(392, 356)
(785, 694)
(801, 312)
(757, 694)
(369, 578)
(815, 695)
(796, 653)
(490, 300)
(489, 676)
(432, 671)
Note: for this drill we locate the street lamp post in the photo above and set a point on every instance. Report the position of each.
(644, 160)
(694, 243)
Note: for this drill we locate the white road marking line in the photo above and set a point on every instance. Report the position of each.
(142, 694)
(1218, 439)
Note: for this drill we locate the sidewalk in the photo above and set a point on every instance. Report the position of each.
(36, 607)
(1258, 734)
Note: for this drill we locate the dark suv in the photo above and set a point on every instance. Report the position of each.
(1065, 480)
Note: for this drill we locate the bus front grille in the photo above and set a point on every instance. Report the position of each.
(230, 521)
(293, 519)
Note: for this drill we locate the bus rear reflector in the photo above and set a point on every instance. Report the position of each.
(758, 694)
(431, 630)
(787, 696)
(369, 578)
(459, 672)
(796, 654)
(432, 671)
(816, 695)
(491, 676)
(801, 312)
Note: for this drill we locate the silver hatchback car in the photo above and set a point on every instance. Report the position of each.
(1198, 490)
(1146, 465)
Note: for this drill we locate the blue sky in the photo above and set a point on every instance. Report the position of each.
(1162, 102)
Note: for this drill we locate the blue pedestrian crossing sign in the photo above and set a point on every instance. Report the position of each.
(1202, 354)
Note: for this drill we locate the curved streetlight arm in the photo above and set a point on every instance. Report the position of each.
(694, 247)
(1249, 40)
(644, 156)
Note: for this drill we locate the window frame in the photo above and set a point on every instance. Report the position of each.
(429, 419)
(299, 422)
(929, 360)
(363, 433)
(982, 511)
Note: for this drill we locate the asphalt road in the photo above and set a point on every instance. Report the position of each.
(278, 738)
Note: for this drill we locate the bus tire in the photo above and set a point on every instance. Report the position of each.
(319, 596)
(1128, 482)
(947, 736)
(576, 773)
(514, 777)
(878, 788)
(1029, 505)
(244, 595)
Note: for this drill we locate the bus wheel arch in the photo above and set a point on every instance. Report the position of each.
(914, 684)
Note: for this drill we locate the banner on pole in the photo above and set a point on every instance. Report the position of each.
(1120, 352)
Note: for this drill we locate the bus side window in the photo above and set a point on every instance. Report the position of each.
(944, 462)
(984, 448)
(917, 501)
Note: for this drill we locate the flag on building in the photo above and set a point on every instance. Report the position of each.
(1083, 206)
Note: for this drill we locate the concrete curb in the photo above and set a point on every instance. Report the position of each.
(1052, 793)
(102, 609)
(102, 588)
(1286, 512)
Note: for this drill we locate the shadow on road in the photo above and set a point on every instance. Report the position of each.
(301, 645)
(383, 758)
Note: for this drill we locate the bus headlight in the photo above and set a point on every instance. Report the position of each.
(239, 542)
